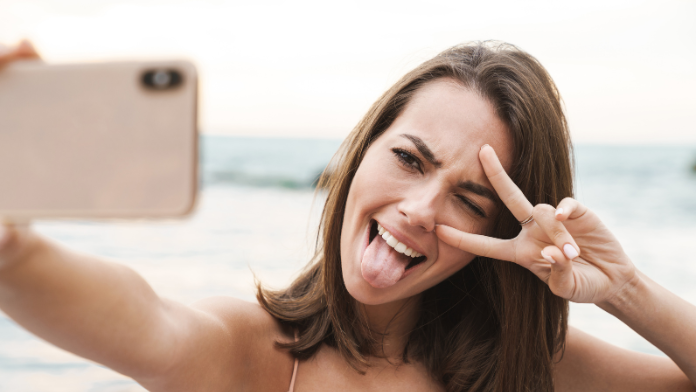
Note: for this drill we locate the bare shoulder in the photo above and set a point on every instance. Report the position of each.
(228, 344)
(590, 364)
(239, 316)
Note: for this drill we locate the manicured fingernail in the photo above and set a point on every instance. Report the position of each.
(547, 258)
(485, 145)
(569, 251)
(559, 211)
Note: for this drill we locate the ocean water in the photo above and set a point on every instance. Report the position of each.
(256, 217)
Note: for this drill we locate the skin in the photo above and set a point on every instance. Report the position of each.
(107, 313)
(396, 186)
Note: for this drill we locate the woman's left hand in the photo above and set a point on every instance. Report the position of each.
(567, 247)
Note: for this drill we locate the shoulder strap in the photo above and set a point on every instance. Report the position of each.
(294, 370)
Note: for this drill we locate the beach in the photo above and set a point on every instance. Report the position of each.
(256, 219)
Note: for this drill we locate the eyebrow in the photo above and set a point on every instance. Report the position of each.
(423, 149)
(477, 189)
(466, 185)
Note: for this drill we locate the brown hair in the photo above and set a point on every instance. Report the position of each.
(492, 326)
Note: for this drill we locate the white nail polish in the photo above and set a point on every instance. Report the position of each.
(569, 251)
(547, 258)
(559, 211)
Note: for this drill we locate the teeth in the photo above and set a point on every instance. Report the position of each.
(394, 243)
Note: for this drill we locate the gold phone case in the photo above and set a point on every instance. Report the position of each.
(98, 141)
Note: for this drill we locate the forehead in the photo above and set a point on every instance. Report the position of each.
(454, 122)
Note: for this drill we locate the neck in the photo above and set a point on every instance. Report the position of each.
(393, 323)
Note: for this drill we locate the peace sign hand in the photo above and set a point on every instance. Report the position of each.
(567, 247)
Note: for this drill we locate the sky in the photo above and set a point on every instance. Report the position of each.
(626, 69)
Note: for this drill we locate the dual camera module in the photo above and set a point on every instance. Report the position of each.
(161, 79)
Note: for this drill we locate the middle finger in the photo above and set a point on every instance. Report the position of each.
(509, 193)
(544, 215)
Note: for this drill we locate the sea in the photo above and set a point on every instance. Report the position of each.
(256, 219)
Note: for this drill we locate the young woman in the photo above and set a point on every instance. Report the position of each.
(449, 247)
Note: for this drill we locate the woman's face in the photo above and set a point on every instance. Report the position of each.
(422, 171)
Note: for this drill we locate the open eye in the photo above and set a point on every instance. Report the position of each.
(407, 159)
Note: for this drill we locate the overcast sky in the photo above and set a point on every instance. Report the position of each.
(626, 69)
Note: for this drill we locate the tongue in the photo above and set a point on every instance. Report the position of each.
(382, 266)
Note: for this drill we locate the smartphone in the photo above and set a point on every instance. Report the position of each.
(113, 140)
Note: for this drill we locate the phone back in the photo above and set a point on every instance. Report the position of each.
(102, 140)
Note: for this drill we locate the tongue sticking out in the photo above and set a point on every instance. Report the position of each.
(382, 266)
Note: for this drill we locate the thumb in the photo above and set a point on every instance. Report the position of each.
(26, 50)
(15, 243)
(4, 235)
(23, 50)
(11, 231)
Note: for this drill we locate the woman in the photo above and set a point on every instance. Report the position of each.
(442, 264)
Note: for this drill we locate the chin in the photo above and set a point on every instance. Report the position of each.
(365, 294)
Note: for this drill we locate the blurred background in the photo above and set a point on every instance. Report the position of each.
(283, 82)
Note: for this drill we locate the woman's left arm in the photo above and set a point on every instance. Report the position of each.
(570, 249)
(591, 364)
(660, 316)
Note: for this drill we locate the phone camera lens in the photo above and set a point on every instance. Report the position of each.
(161, 79)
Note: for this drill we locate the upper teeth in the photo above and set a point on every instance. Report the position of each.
(394, 243)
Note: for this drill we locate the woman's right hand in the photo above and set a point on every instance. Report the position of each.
(23, 50)
(5, 234)
(15, 244)
(11, 236)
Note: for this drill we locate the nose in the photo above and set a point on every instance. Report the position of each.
(419, 206)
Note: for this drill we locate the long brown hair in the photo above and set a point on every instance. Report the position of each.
(492, 326)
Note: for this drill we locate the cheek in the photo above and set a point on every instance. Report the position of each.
(453, 259)
(361, 201)
(374, 186)
(455, 216)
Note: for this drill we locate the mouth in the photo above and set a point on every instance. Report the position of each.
(414, 258)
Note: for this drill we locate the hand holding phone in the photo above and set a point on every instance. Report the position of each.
(96, 140)
(23, 50)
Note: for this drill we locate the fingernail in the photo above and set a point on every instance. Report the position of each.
(547, 258)
(559, 211)
(485, 145)
(570, 251)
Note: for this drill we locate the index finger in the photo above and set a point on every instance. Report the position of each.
(509, 193)
(477, 244)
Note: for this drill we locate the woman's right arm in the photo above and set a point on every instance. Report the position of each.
(101, 310)
(106, 312)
